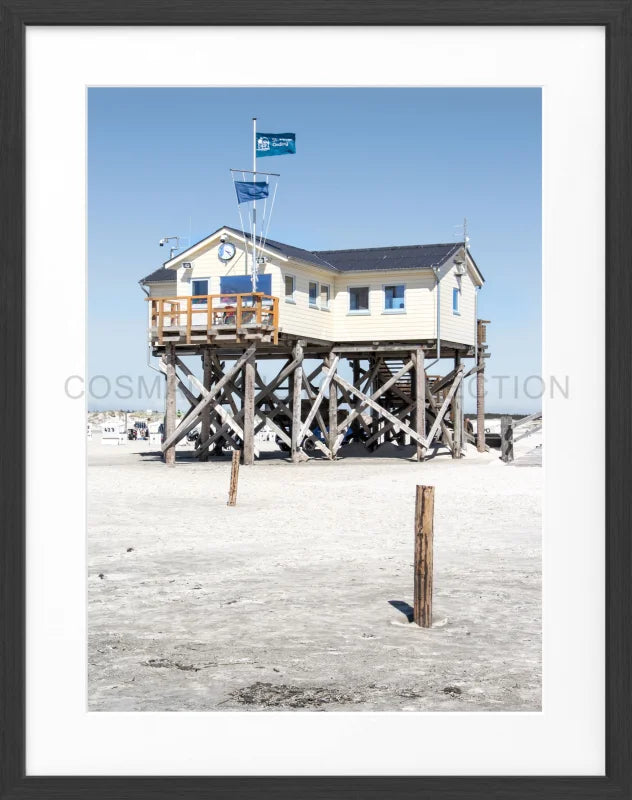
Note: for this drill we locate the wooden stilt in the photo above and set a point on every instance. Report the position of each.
(332, 434)
(249, 411)
(457, 415)
(424, 532)
(170, 405)
(207, 368)
(418, 360)
(297, 393)
(234, 478)
(481, 337)
(355, 425)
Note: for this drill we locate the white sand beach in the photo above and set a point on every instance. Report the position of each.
(297, 598)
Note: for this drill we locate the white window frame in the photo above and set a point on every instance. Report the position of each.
(327, 305)
(394, 310)
(359, 312)
(292, 298)
(309, 302)
(456, 311)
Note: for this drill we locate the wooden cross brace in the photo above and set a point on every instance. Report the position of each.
(206, 400)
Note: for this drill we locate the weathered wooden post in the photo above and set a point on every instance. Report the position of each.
(506, 438)
(457, 415)
(169, 360)
(424, 531)
(249, 411)
(234, 478)
(418, 359)
(207, 377)
(332, 432)
(481, 338)
(297, 393)
(355, 424)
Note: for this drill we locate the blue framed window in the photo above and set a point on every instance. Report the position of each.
(394, 297)
(456, 301)
(199, 287)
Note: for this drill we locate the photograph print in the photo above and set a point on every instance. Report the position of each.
(314, 399)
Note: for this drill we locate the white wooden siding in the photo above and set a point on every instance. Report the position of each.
(458, 327)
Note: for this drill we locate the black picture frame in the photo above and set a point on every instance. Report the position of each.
(616, 17)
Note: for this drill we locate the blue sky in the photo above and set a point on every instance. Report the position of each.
(373, 167)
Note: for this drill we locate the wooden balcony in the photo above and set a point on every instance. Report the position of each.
(214, 318)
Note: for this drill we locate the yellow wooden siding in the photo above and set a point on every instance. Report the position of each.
(417, 322)
(298, 317)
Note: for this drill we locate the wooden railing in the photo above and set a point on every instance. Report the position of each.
(212, 313)
(507, 427)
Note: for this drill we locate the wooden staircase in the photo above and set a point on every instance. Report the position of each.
(390, 367)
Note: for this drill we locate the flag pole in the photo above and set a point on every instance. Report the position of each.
(254, 206)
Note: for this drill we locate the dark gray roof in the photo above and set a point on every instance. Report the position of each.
(416, 256)
(159, 275)
(290, 251)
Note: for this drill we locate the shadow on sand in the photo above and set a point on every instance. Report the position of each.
(406, 609)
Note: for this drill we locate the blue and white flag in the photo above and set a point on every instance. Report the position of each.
(251, 190)
(275, 144)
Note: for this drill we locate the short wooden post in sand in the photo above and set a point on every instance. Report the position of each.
(234, 478)
(506, 438)
(424, 530)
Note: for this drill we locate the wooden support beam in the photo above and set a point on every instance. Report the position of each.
(332, 428)
(207, 377)
(389, 425)
(330, 372)
(358, 421)
(249, 411)
(457, 415)
(170, 405)
(297, 392)
(229, 422)
(441, 383)
(184, 429)
(218, 369)
(417, 357)
(481, 336)
(355, 425)
(260, 415)
(444, 407)
(367, 350)
(380, 409)
(311, 394)
(192, 399)
(423, 570)
(364, 397)
(447, 435)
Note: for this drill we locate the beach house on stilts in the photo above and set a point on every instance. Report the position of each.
(352, 330)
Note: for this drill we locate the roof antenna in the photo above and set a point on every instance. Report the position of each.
(464, 238)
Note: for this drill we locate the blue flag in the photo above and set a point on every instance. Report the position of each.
(251, 190)
(275, 144)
